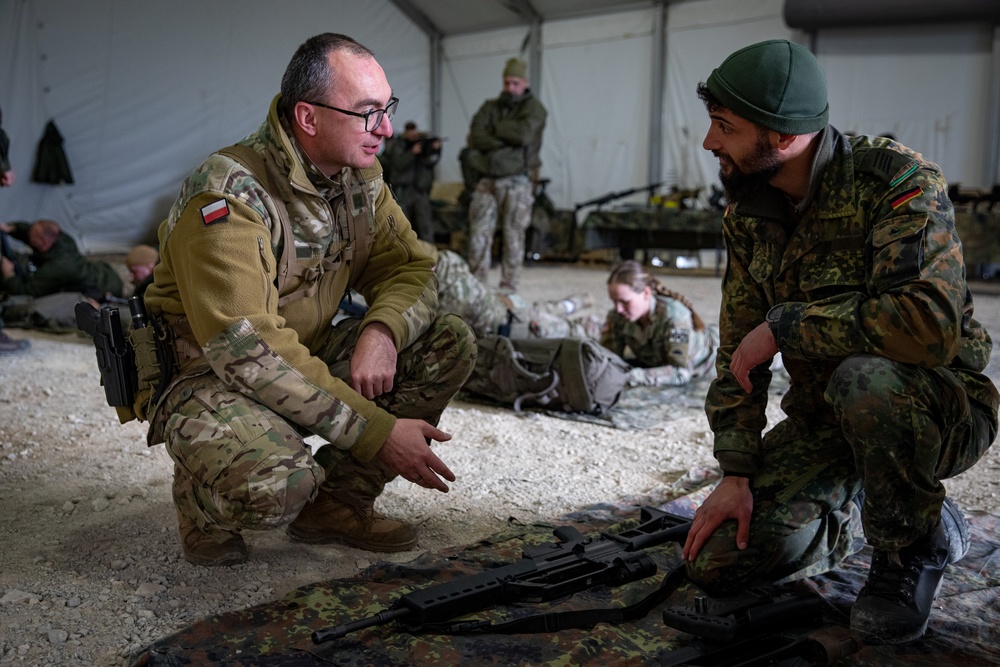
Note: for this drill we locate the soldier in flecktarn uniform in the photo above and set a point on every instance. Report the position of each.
(843, 256)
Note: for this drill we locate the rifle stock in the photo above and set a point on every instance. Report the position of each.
(544, 572)
(756, 629)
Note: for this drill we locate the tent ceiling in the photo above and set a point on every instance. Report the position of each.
(452, 17)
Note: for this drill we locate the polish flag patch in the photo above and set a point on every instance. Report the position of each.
(214, 212)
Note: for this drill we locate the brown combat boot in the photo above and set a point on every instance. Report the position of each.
(212, 547)
(327, 520)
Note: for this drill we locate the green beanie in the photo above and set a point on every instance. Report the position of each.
(516, 67)
(777, 84)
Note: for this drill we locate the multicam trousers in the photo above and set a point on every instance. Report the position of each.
(511, 199)
(902, 429)
(238, 464)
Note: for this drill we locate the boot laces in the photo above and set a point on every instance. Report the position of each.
(894, 576)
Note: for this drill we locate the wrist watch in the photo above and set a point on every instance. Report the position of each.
(774, 315)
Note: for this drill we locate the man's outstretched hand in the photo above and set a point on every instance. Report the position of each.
(408, 452)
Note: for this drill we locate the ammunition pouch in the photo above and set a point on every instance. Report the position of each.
(155, 365)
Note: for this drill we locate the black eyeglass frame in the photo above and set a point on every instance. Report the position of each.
(389, 110)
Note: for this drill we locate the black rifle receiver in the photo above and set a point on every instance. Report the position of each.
(545, 572)
(758, 628)
(115, 357)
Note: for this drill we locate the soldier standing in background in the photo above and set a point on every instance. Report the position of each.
(408, 161)
(260, 365)
(502, 158)
(843, 256)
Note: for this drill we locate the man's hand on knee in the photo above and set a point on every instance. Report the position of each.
(731, 499)
(408, 452)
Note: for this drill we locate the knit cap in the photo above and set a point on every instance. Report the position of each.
(777, 84)
(516, 67)
(140, 255)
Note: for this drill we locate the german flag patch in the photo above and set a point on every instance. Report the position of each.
(215, 212)
(906, 196)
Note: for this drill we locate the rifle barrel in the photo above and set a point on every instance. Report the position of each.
(339, 631)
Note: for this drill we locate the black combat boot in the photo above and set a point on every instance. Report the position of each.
(10, 345)
(895, 603)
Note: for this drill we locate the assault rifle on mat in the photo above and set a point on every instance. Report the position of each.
(545, 572)
(758, 628)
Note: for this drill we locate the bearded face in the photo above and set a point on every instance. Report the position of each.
(741, 177)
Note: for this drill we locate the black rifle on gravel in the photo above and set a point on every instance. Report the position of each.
(575, 563)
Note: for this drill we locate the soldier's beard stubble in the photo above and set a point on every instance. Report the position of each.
(756, 171)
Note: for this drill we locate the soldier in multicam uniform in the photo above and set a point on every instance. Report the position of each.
(656, 330)
(504, 140)
(490, 312)
(843, 256)
(261, 367)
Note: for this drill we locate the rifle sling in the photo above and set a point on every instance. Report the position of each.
(564, 620)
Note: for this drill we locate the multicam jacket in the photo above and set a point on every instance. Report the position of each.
(218, 276)
(869, 262)
(667, 351)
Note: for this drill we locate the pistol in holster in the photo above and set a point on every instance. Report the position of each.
(136, 362)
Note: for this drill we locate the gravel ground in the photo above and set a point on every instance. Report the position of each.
(90, 568)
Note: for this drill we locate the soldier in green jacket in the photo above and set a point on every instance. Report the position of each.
(501, 159)
(59, 266)
(408, 162)
(843, 256)
(254, 262)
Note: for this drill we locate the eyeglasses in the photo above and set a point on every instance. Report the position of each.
(372, 118)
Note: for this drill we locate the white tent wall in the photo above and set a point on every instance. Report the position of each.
(926, 85)
(143, 91)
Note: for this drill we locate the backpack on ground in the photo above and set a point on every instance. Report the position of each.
(563, 374)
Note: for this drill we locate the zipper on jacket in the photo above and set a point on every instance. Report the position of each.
(263, 263)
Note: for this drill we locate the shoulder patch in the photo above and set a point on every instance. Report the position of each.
(217, 211)
(888, 165)
(906, 196)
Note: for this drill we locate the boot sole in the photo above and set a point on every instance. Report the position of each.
(350, 541)
(225, 560)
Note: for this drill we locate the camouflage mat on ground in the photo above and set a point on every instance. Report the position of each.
(962, 630)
